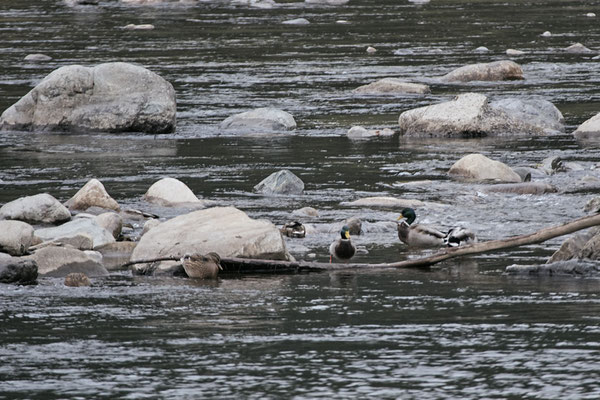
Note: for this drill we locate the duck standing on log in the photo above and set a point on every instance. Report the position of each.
(342, 249)
(425, 236)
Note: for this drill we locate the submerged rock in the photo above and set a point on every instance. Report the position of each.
(18, 270)
(472, 115)
(226, 231)
(477, 167)
(296, 21)
(577, 48)
(494, 71)
(112, 97)
(37, 57)
(260, 119)
(384, 202)
(358, 132)
(560, 268)
(92, 194)
(15, 237)
(77, 279)
(281, 182)
(590, 129)
(38, 209)
(392, 86)
(514, 53)
(522, 188)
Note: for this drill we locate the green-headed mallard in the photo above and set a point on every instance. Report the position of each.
(342, 249)
(425, 236)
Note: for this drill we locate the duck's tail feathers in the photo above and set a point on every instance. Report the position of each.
(459, 237)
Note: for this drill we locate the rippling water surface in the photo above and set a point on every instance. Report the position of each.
(462, 331)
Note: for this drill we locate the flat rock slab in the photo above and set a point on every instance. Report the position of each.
(494, 71)
(392, 86)
(61, 261)
(384, 202)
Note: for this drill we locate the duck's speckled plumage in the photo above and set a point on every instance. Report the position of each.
(426, 236)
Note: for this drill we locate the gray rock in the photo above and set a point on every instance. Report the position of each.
(61, 261)
(37, 57)
(151, 223)
(535, 110)
(592, 206)
(573, 246)
(559, 268)
(494, 71)
(140, 27)
(514, 53)
(77, 279)
(590, 129)
(226, 231)
(92, 194)
(39, 209)
(552, 165)
(306, 212)
(522, 188)
(15, 237)
(112, 222)
(281, 182)
(578, 48)
(392, 86)
(260, 119)
(524, 173)
(477, 167)
(114, 255)
(170, 192)
(99, 235)
(113, 97)
(327, 2)
(471, 115)
(17, 270)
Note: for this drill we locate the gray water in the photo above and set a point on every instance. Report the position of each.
(462, 330)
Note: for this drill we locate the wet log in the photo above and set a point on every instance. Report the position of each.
(244, 265)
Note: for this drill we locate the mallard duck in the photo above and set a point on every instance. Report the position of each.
(202, 266)
(342, 249)
(426, 236)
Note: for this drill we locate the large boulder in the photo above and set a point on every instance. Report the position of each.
(92, 194)
(113, 97)
(535, 110)
(260, 120)
(477, 167)
(281, 182)
(170, 192)
(39, 209)
(15, 237)
(17, 270)
(494, 71)
(471, 115)
(392, 86)
(590, 129)
(61, 261)
(89, 226)
(225, 230)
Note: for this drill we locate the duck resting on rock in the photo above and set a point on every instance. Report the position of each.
(342, 249)
(425, 236)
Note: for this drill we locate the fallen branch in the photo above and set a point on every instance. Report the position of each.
(245, 265)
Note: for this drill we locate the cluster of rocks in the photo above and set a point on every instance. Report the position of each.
(41, 236)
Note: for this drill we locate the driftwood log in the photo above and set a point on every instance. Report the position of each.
(243, 265)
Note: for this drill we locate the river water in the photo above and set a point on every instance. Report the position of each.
(463, 330)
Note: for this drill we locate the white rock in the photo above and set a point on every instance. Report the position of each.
(151, 223)
(100, 236)
(547, 34)
(590, 129)
(37, 57)
(225, 230)
(38, 209)
(477, 167)
(112, 222)
(371, 50)
(92, 194)
(61, 261)
(140, 27)
(358, 132)
(514, 53)
(591, 15)
(170, 192)
(281, 182)
(15, 237)
(578, 48)
(482, 49)
(385, 202)
(296, 21)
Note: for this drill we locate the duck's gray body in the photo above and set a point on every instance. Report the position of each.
(420, 235)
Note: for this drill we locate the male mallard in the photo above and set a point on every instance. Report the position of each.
(202, 266)
(342, 249)
(425, 236)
